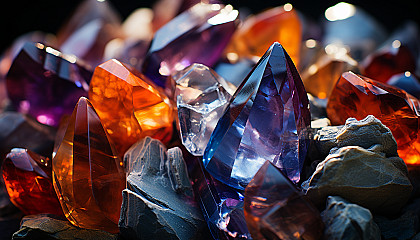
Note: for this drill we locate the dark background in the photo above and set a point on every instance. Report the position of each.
(19, 17)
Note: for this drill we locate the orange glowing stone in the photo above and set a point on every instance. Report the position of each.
(129, 105)
(88, 176)
(255, 36)
(357, 96)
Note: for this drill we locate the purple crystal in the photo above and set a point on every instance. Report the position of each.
(198, 35)
(46, 84)
(267, 119)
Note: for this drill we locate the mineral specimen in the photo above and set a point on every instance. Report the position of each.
(236, 72)
(407, 81)
(267, 119)
(201, 98)
(88, 175)
(276, 209)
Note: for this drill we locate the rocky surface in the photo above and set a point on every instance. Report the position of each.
(401, 228)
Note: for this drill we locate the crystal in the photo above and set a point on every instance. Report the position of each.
(198, 35)
(88, 176)
(129, 105)
(406, 81)
(276, 209)
(267, 119)
(357, 96)
(28, 180)
(46, 84)
(236, 72)
(201, 98)
(257, 33)
(397, 55)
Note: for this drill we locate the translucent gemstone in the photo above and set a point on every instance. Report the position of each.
(267, 119)
(357, 96)
(257, 33)
(201, 98)
(198, 35)
(28, 180)
(406, 81)
(129, 105)
(88, 175)
(320, 77)
(275, 209)
(46, 84)
(235, 72)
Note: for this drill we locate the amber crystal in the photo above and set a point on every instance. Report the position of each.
(275, 209)
(357, 96)
(129, 105)
(255, 36)
(88, 175)
(28, 180)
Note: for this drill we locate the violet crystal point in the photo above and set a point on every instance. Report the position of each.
(46, 84)
(198, 35)
(201, 98)
(267, 119)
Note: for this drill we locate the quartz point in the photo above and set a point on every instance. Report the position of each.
(201, 98)
(357, 96)
(180, 42)
(267, 119)
(257, 33)
(46, 84)
(130, 105)
(28, 180)
(88, 175)
(276, 209)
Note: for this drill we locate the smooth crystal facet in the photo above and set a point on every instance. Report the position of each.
(267, 119)
(88, 175)
(46, 84)
(201, 98)
(198, 35)
(356, 96)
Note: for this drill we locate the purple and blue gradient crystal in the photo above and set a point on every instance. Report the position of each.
(46, 84)
(267, 119)
(198, 35)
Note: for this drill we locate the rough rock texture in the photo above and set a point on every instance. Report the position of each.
(158, 203)
(401, 228)
(47, 227)
(362, 176)
(345, 220)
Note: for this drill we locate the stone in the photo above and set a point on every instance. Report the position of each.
(346, 220)
(400, 228)
(356, 96)
(46, 84)
(158, 201)
(86, 161)
(258, 32)
(28, 180)
(364, 177)
(236, 72)
(407, 82)
(201, 98)
(198, 35)
(47, 226)
(130, 105)
(276, 209)
(267, 119)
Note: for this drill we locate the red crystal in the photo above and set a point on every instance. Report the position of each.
(28, 180)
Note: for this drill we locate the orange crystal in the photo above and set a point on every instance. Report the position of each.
(357, 96)
(129, 105)
(255, 36)
(88, 176)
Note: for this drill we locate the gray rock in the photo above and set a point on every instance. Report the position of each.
(362, 176)
(47, 227)
(158, 203)
(401, 228)
(348, 221)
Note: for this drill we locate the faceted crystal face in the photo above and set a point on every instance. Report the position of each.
(275, 209)
(180, 43)
(258, 32)
(28, 180)
(357, 96)
(129, 106)
(88, 175)
(201, 98)
(267, 119)
(46, 84)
